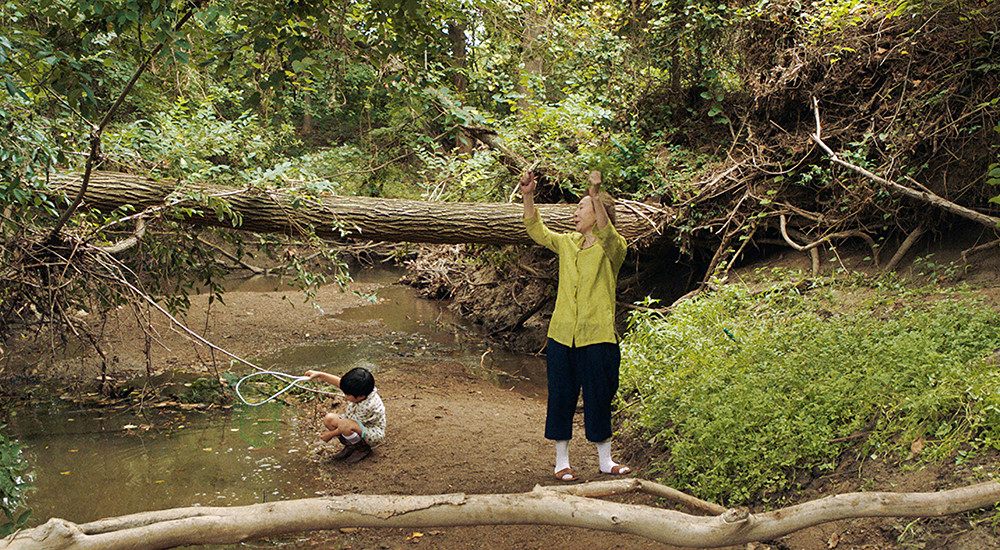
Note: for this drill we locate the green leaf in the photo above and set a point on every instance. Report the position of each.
(12, 88)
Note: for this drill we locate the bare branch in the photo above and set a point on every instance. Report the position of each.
(254, 269)
(839, 235)
(925, 196)
(977, 249)
(905, 247)
(129, 242)
(543, 506)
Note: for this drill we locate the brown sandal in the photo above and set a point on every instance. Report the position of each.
(345, 452)
(561, 475)
(618, 470)
(361, 450)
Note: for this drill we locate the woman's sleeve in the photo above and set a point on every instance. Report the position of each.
(541, 234)
(614, 245)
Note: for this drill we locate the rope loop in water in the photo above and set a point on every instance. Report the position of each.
(293, 381)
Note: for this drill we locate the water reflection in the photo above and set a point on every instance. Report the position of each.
(90, 464)
(103, 463)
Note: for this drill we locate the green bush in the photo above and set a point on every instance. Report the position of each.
(193, 140)
(13, 485)
(745, 391)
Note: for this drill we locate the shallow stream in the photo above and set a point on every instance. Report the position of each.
(93, 463)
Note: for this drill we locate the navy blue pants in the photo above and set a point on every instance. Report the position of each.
(592, 369)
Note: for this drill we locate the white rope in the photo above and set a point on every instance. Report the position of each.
(294, 381)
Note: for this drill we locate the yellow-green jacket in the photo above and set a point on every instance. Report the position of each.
(585, 301)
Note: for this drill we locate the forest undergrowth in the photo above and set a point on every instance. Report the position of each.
(753, 389)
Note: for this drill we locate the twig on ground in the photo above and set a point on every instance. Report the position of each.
(981, 248)
(910, 240)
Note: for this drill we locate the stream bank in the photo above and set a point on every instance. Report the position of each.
(464, 416)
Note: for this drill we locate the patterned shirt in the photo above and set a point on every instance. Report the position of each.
(370, 414)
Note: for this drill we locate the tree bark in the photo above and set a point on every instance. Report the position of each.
(561, 506)
(531, 57)
(344, 218)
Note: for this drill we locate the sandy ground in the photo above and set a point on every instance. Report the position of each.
(453, 431)
(449, 430)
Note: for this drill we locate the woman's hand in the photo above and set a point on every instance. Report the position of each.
(527, 182)
(595, 183)
(600, 213)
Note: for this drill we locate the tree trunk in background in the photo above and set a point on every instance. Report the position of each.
(534, 25)
(307, 121)
(456, 34)
(340, 218)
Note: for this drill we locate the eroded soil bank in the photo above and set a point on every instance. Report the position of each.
(454, 428)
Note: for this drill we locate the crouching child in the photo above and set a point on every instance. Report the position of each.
(362, 424)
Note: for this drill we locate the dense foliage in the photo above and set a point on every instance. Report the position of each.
(741, 393)
(14, 485)
(706, 107)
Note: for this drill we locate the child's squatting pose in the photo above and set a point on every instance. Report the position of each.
(363, 422)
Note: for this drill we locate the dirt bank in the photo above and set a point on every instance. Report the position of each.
(452, 430)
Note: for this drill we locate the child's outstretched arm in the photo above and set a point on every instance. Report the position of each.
(324, 376)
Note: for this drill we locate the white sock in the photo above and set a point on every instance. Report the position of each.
(604, 456)
(562, 454)
(353, 438)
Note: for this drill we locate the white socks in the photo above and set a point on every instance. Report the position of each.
(604, 456)
(607, 465)
(562, 454)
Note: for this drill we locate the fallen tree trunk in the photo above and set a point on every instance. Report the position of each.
(562, 506)
(340, 218)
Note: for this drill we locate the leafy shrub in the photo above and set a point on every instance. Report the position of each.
(746, 390)
(474, 177)
(194, 140)
(13, 485)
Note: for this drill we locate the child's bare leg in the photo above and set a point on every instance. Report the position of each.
(332, 423)
(335, 425)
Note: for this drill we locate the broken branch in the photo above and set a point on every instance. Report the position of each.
(925, 196)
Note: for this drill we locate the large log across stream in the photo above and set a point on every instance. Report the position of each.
(340, 218)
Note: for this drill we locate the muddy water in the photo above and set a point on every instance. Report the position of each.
(89, 464)
(112, 463)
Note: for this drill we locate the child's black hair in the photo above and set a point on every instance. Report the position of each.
(358, 382)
